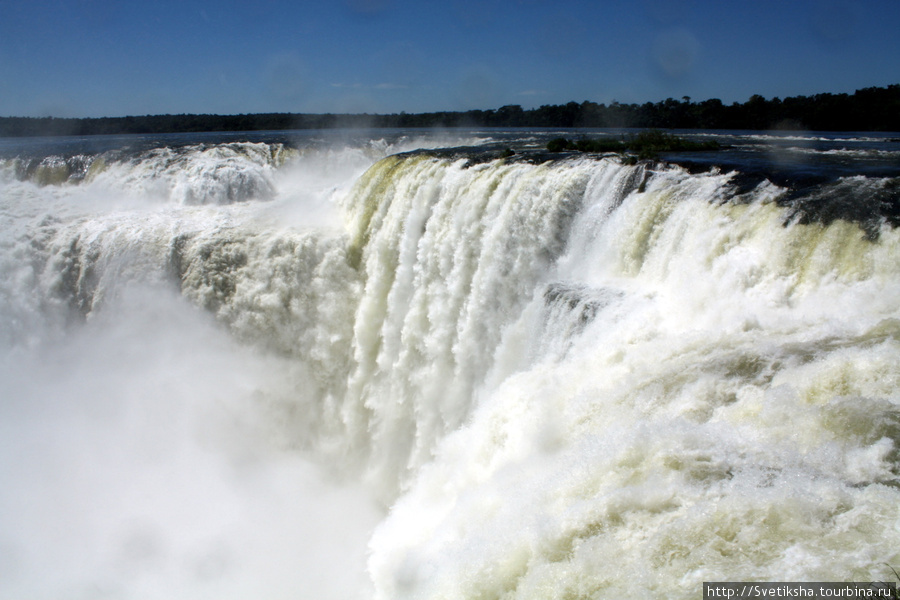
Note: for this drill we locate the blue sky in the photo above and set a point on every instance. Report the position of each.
(89, 58)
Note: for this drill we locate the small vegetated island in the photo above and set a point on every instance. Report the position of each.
(645, 145)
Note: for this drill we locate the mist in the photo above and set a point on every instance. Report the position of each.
(140, 459)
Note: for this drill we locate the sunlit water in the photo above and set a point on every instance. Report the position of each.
(274, 368)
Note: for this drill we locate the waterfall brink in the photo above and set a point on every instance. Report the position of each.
(565, 376)
(450, 254)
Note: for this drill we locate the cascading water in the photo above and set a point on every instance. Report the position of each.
(727, 408)
(450, 254)
(516, 378)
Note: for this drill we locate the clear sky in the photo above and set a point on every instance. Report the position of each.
(89, 58)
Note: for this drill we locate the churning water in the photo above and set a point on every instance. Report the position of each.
(335, 368)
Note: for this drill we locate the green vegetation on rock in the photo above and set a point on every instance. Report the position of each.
(646, 144)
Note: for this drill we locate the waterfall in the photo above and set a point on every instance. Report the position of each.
(539, 377)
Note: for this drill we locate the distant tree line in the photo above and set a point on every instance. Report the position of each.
(868, 109)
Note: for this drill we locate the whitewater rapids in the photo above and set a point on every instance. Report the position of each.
(245, 370)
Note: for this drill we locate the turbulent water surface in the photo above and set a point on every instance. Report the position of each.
(409, 365)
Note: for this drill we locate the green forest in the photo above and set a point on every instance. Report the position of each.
(868, 109)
